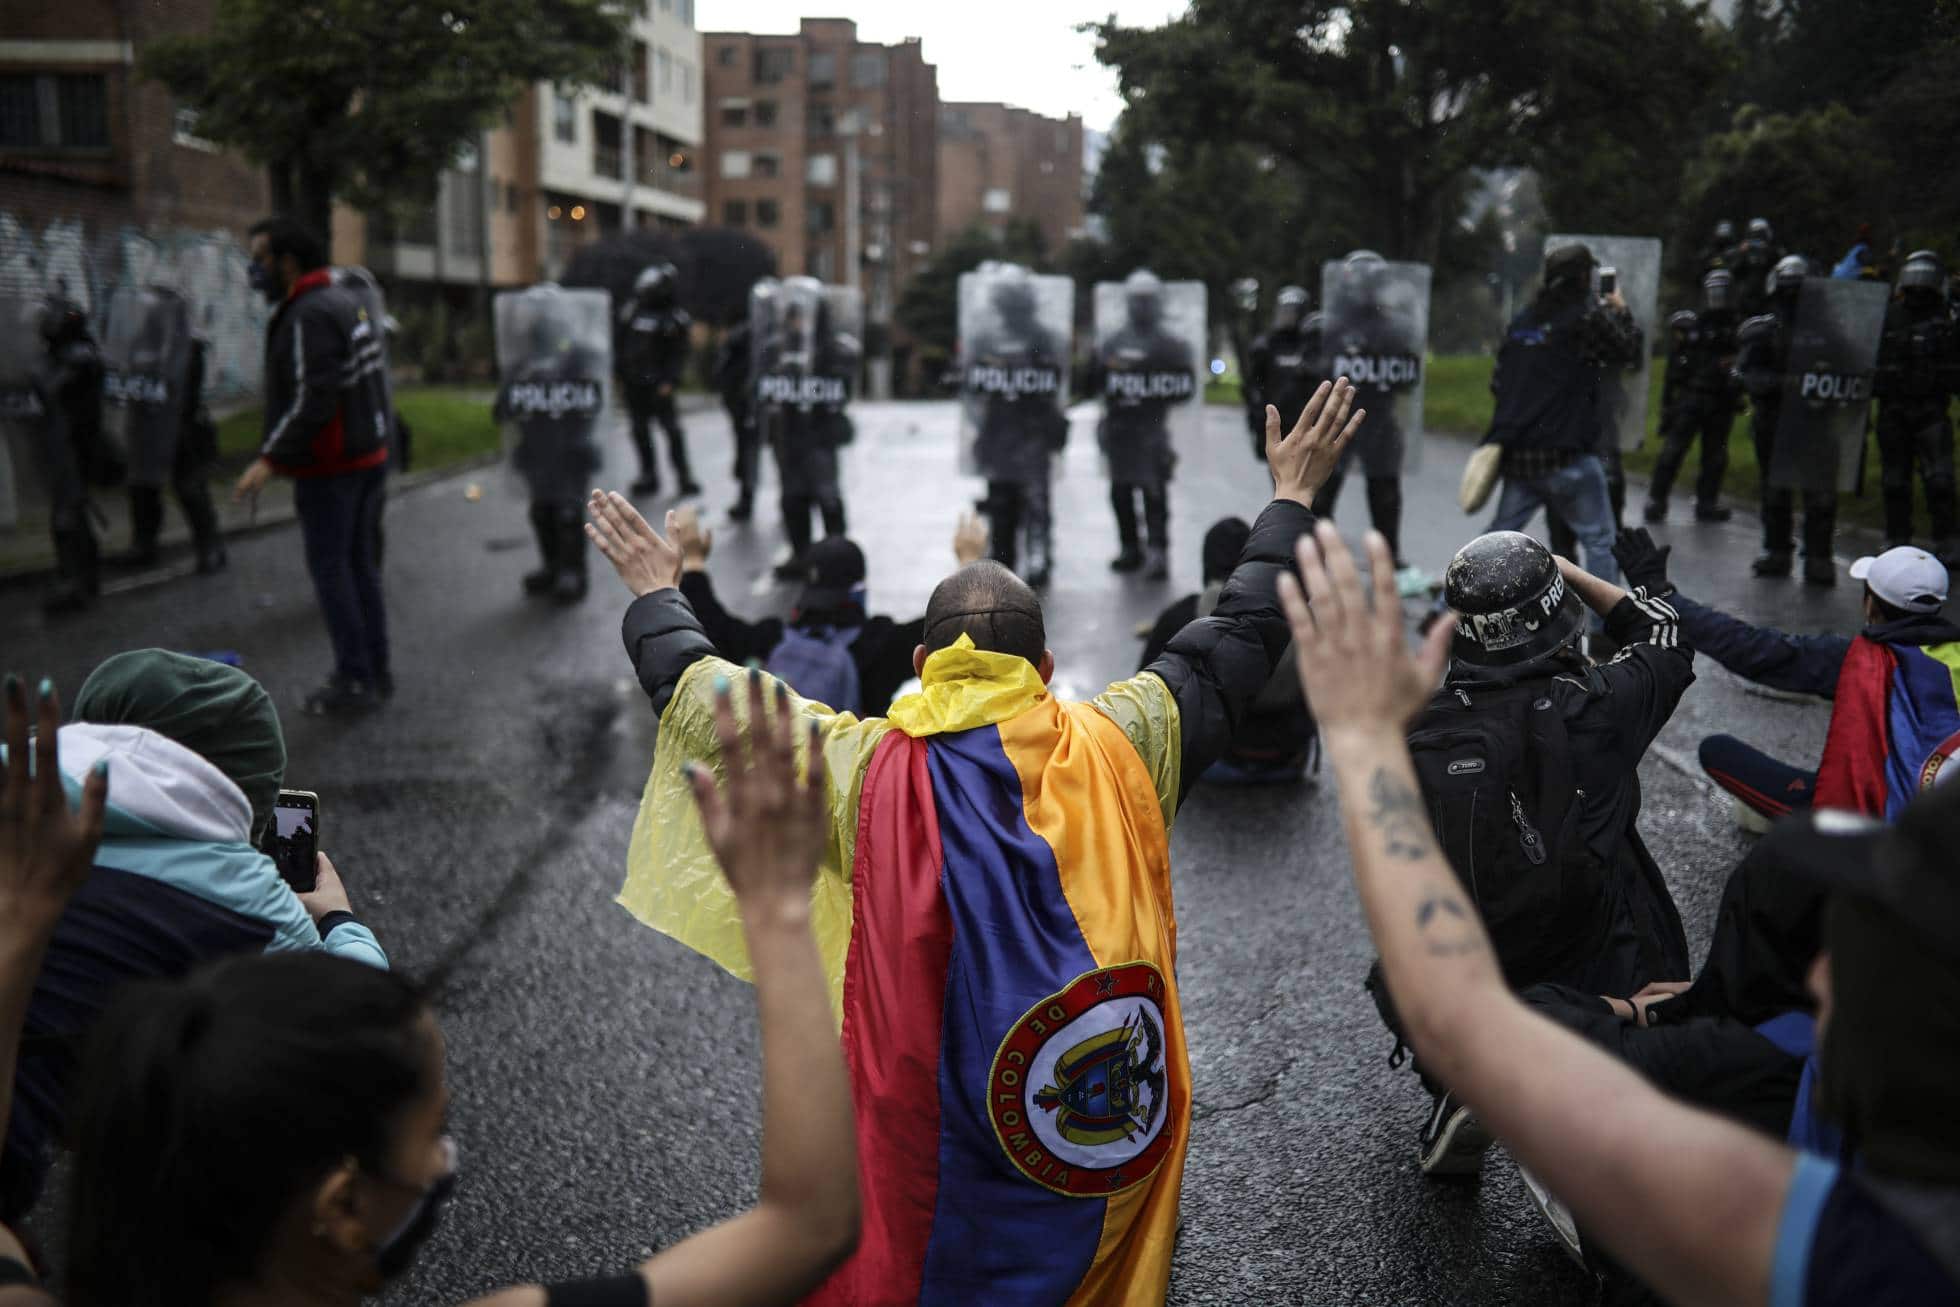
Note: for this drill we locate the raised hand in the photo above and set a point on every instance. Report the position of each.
(970, 539)
(46, 850)
(1302, 459)
(695, 543)
(1353, 658)
(644, 559)
(766, 827)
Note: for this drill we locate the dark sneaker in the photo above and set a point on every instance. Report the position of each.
(644, 486)
(1774, 562)
(1129, 560)
(1453, 1140)
(1819, 571)
(341, 697)
(211, 560)
(743, 510)
(689, 490)
(568, 587)
(1157, 566)
(539, 582)
(1656, 512)
(1711, 513)
(1557, 1215)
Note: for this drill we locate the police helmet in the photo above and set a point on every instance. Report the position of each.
(1143, 282)
(1314, 323)
(1725, 232)
(1922, 270)
(655, 283)
(1788, 274)
(1515, 613)
(1759, 230)
(1718, 290)
(1013, 291)
(1289, 306)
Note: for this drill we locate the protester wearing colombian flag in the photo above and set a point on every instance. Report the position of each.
(994, 908)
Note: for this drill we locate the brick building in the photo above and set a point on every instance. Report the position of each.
(825, 147)
(997, 162)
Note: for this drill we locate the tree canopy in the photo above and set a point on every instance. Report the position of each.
(369, 100)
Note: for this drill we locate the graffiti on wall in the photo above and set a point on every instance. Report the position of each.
(208, 268)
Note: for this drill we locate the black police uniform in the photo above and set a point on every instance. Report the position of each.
(652, 353)
(1015, 373)
(67, 391)
(1763, 345)
(1699, 399)
(1282, 369)
(1918, 372)
(737, 391)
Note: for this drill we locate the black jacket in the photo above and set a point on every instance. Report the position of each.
(325, 389)
(882, 650)
(1613, 712)
(1214, 668)
(1548, 374)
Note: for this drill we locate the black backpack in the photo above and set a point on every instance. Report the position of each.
(1496, 772)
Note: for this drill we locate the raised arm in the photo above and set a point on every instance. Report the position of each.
(735, 638)
(663, 636)
(1216, 666)
(1687, 1200)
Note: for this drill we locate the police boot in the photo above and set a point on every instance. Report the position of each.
(544, 524)
(145, 525)
(744, 506)
(1898, 516)
(677, 451)
(1156, 564)
(76, 582)
(205, 537)
(1819, 568)
(1711, 513)
(568, 587)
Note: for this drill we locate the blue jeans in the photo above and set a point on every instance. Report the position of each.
(1577, 493)
(340, 522)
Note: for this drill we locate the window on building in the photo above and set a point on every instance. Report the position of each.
(725, 56)
(607, 215)
(606, 145)
(765, 113)
(736, 164)
(687, 12)
(664, 62)
(734, 213)
(767, 213)
(564, 118)
(868, 68)
(822, 263)
(642, 88)
(823, 68)
(821, 170)
(735, 113)
(462, 206)
(998, 199)
(768, 164)
(687, 81)
(822, 217)
(821, 119)
(54, 111)
(774, 62)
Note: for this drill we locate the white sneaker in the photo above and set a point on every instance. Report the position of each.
(1556, 1212)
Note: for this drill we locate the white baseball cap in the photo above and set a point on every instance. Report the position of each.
(1905, 577)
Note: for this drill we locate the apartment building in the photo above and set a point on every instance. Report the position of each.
(997, 162)
(825, 147)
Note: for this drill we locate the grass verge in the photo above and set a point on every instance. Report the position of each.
(450, 424)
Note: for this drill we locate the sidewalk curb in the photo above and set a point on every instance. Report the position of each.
(19, 577)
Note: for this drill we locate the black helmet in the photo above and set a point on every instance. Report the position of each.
(1289, 307)
(655, 284)
(1513, 609)
(1759, 230)
(1718, 290)
(1572, 263)
(1314, 323)
(1725, 232)
(1788, 274)
(1922, 271)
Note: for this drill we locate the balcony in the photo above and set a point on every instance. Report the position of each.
(662, 176)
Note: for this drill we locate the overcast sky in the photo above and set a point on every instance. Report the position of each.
(1025, 52)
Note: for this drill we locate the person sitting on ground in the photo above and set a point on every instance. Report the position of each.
(1529, 760)
(271, 1130)
(197, 756)
(1702, 1209)
(828, 649)
(1276, 740)
(1895, 714)
(995, 907)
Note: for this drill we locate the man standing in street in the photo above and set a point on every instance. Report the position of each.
(327, 427)
(652, 353)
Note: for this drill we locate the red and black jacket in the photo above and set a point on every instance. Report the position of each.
(326, 399)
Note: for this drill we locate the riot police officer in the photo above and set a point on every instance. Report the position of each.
(1283, 366)
(1699, 398)
(1720, 248)
(552, 345)
(1918, 371)
(805, 367)
(1143, 370)
(1013, 380)
(737, 391)
(1752, 262)
(1763, 345)
(652, 350)
(67, 396)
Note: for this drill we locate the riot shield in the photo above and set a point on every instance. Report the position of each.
(1150, 370)
(554, 353)
(1013, 361)
(1375, 332)
(23, 418)
(1637, 264)
(146, 358)
(360, 283)
(1825, 396)
(806, 341)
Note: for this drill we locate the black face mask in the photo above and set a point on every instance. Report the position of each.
(397, 1252)
(265, 282)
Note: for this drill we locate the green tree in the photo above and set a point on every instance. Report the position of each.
(368, 100)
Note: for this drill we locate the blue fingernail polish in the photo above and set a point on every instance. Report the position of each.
(45, 688)
(101, 768)
(722, 683)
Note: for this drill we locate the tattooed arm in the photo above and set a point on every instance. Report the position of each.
(1688, 1200)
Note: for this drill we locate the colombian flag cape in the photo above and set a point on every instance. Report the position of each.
(1895, 723)
(995, 914)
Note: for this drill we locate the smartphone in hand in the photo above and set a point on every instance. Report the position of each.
(292, 838)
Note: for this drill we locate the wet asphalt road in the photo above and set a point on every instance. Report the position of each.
(605, 1079)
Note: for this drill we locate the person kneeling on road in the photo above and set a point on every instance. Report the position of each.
(828, 650)
(1703, 1209)
(1528, 759)
(1894, 716)
(996, 896)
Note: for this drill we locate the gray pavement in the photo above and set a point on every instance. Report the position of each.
(605, 1079)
